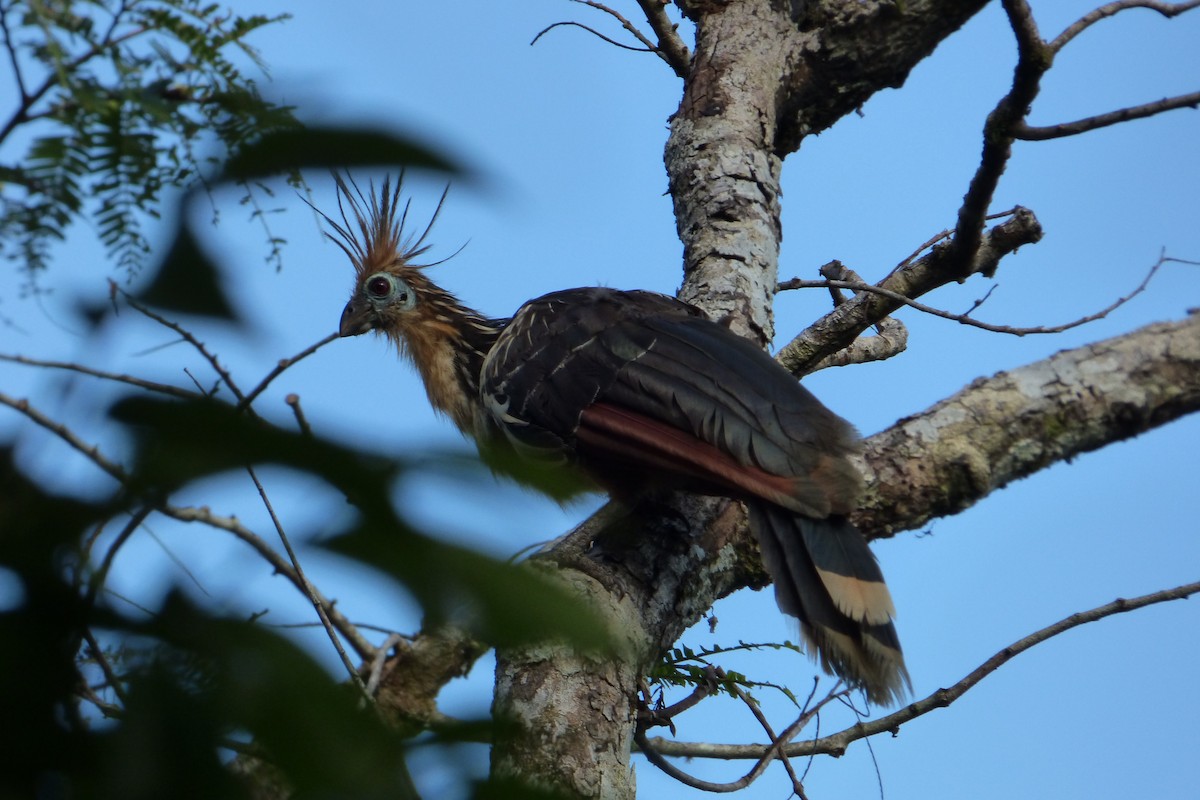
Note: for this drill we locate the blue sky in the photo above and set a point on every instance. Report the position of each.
(564, 142)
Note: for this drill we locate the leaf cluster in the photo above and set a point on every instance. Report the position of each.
(687, 667)
(118, 100)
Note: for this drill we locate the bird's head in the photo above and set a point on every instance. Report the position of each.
(391, 295)
(386, 300)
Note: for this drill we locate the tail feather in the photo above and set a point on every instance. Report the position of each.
(827, 577)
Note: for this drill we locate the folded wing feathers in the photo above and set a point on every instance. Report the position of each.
(626, 374)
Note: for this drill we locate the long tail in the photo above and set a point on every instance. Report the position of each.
(827, 577)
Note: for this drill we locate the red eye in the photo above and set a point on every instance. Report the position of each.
(379, 286)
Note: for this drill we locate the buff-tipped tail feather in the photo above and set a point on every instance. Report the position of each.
(826, 576)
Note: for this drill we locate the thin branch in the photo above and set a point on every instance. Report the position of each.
(889, 341)
(670, 46)
(90, 451)
(779, 741)
(110, 675)
(966, 319)
(293, 401)
(911, 279)
(891, 336)
(306, 586)
(108, 43)
(362, 647)
(592, 31)
(284, 363)
(626, 24)
(1107, 10)
(1043, 132)
(377, 663)
(836, 744)
(97, 579)
(11, 47)
(150, 386)
(190, 338)
(655, 749)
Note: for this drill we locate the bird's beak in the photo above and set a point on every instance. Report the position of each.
(357, 318)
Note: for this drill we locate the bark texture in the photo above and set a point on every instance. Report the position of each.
(1003, 428)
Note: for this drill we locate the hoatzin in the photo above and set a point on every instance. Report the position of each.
(634, 390)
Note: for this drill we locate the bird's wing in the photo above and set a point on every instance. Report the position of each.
(642, 381)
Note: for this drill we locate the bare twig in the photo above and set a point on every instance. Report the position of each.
(889, 341)
(836, 744)
(891, 336)
(593, 31)
(1107, 10)
(191, 339)
(307, 587)
(141, 383)
(966, 319)
(626, 24)
(841, 326)
(90, 451)
(1043, 132)
(284, 363)
(97, 578)
(110, 675)
(362, 647)
(379, 660)
(654, 750)
(670, 48)
(293, 401)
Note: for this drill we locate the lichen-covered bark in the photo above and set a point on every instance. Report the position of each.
(764, 75)
(1013, 424)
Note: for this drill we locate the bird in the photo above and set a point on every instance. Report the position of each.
(630, 390)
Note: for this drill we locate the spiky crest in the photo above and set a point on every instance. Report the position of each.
(371, 232)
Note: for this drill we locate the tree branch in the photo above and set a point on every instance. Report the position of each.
(344, 626)
(1034, 58)
(836, 744)
(942, 460)
(130, 380)
(1030, 133)
(308, 589)
(670, 46)
(913, 278)
(851, 355)
(90, 451)
(1107, 10)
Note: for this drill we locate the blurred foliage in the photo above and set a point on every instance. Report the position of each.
(190, 682)
(103, 699)
(102, 702)
(115, 101)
